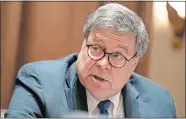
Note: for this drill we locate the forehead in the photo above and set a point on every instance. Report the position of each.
(112, 38)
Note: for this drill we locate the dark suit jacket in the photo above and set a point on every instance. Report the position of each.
(52, 89)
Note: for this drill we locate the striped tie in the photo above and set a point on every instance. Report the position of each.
(104, 106)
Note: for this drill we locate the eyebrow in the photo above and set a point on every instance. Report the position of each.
(123, 47)
(119, 45)
(97, 38)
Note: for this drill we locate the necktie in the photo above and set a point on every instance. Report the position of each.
(104, 106)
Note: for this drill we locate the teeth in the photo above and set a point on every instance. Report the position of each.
(99, 78)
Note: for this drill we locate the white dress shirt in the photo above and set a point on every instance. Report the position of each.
(116, 109)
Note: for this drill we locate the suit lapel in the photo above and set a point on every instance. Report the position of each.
(70, 95)
(76, 98)
(133, 106)
(75, 93)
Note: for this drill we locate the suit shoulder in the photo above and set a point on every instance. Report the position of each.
(49, 64)
(158, 98)
(147, 87)
(40, 67)
(49, 70)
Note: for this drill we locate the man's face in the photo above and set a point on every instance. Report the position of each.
(91, 71)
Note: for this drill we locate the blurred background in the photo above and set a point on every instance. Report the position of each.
(34, 31)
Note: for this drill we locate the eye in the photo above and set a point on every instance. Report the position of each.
(96, 49)
(117, 56)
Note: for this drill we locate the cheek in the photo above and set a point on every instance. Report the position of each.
(121, 76)
(84, 64)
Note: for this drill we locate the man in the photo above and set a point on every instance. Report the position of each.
(99, 80)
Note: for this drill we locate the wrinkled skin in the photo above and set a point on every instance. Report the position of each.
(114, 78)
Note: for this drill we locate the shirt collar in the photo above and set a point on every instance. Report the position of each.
(92, 102)
(116, 101)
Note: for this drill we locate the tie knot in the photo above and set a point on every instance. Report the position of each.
(104, 106)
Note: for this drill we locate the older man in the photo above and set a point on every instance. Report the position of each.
(99, 80)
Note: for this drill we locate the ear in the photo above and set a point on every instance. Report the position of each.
(136, 60)
(83, 44)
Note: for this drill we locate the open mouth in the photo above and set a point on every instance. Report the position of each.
(99, 78)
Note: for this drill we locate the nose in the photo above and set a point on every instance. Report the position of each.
(104, 63)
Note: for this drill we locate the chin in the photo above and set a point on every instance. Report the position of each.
(100, 95)
(97, 92)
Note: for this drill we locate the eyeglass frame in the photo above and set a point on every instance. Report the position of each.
(88, 46)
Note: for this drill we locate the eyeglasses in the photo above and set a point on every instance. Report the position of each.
(116, 60)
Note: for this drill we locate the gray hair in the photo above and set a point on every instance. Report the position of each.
(114, 15)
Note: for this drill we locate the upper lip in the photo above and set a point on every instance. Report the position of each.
(99, 76)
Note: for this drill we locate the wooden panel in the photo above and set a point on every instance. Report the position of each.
(10, 24)
(145, 12)
(55, 29)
